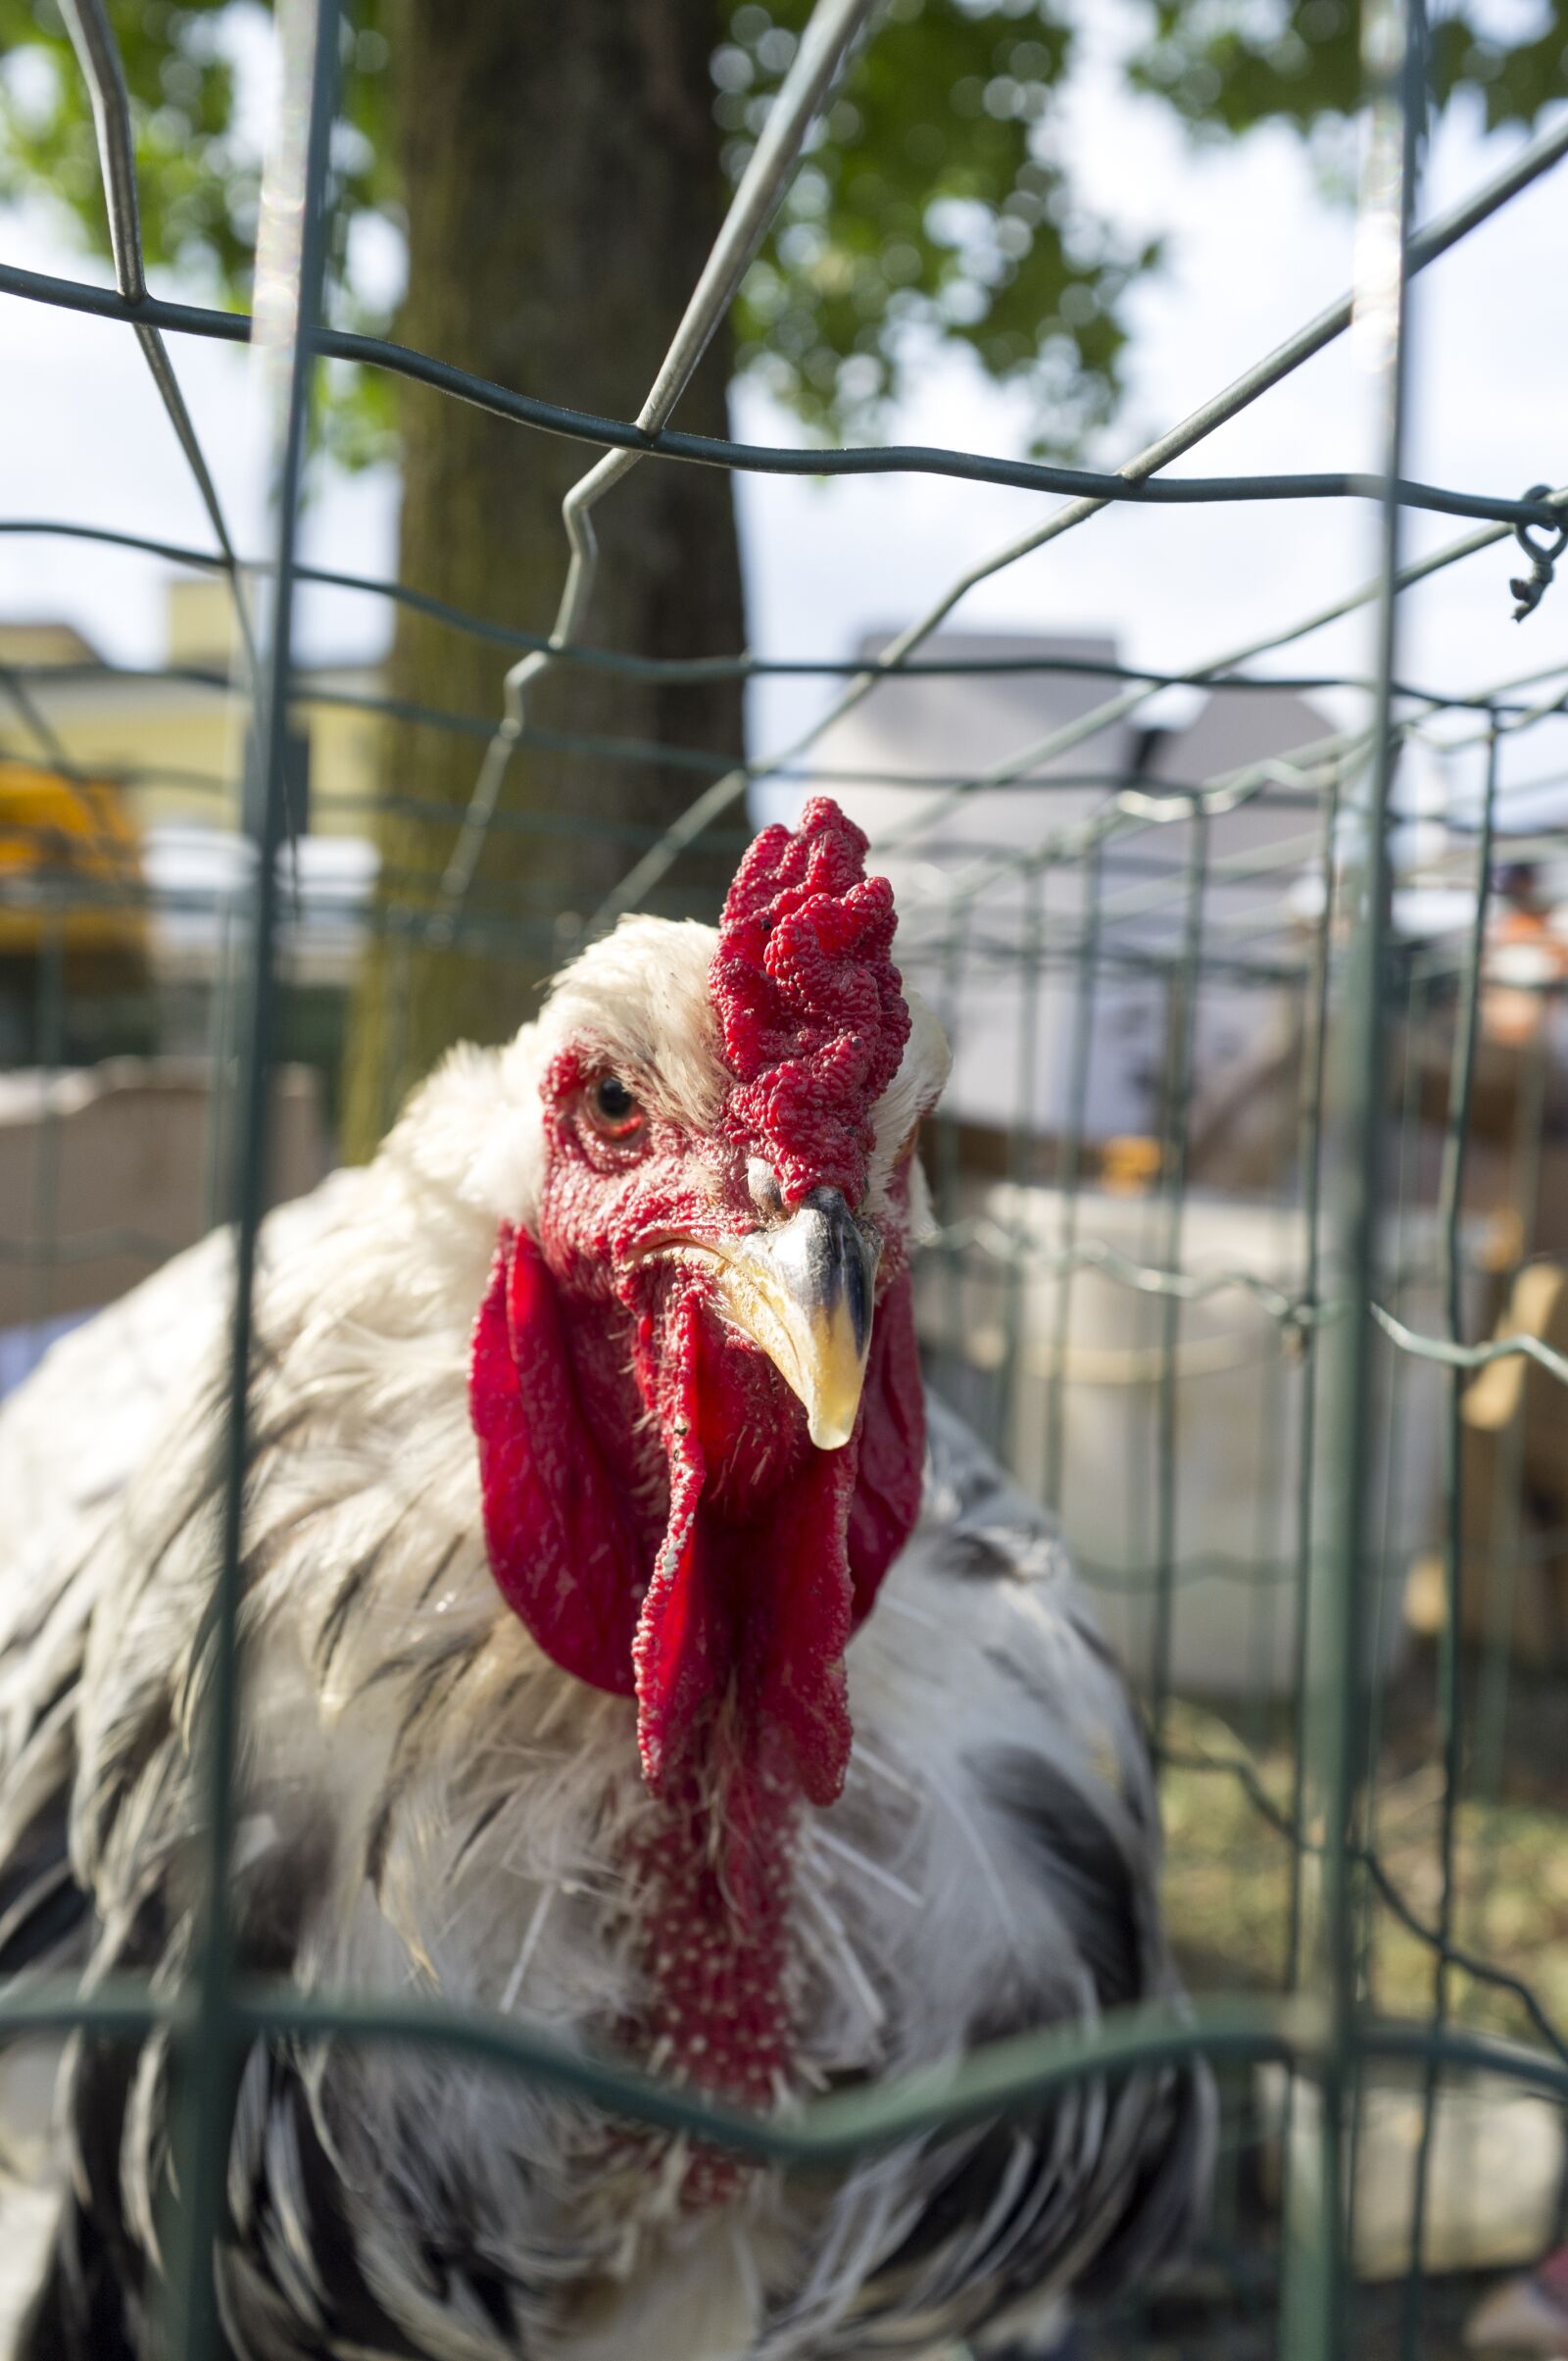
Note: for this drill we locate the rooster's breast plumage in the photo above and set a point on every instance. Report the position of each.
(547, 1724)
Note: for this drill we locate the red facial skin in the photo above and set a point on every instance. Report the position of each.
(670, 1555)
(655, 1510)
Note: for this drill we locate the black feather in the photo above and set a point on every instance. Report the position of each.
(1090, 1876)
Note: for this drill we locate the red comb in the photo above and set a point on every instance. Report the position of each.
(809, 1001)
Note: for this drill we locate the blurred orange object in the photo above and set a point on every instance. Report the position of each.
(70, 858)
(1130, 1163)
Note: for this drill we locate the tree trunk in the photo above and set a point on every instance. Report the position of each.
(563, 188)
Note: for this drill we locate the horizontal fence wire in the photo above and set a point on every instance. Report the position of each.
(900, 459)
(1152, 909)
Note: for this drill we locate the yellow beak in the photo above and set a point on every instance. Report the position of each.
(803, 1293)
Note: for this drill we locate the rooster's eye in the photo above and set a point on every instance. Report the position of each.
(612, 1108)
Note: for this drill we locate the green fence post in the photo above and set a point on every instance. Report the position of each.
(288, 291)
(1316, 2286)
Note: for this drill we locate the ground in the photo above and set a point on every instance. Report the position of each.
(1227, 1784)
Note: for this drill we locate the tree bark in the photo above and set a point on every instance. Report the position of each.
(562, 183)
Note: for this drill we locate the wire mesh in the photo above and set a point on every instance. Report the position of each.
(1344, 1317)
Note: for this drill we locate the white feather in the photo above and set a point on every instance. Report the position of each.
(448, 1811)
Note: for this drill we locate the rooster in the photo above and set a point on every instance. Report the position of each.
(626, 1648)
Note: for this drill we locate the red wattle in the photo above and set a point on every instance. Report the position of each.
(561, 1548)
(681, 1650)
(889, 1447)
(757, 1606)
(753, 1607)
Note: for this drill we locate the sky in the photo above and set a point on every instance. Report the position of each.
(1253, 247)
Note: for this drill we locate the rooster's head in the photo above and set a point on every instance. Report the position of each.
(694, 1383)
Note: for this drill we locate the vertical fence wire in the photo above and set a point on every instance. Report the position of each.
(289, 272)
(1070, 1167)
(1506, 1537)
(1012, 1390)
(1450, 1200)
(1181, 1035)
(1309, 1133)
(1319, 2280)
(98, 54)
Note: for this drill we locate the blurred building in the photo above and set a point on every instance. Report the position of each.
(119, 816)
(1062, 979)
(168, 734)
(122, 869)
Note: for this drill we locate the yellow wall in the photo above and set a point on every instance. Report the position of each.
(110, 725)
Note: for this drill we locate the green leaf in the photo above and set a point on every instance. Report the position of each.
(934, 204)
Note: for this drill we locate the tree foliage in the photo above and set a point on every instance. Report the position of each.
(934, 203)
(1227, 64)
(199, 159)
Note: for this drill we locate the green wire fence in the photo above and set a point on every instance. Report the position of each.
(1358, 1300)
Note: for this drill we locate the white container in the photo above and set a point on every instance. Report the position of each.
(990, 1323)
(1494, 2170)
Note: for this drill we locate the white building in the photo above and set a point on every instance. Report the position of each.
(957, 778)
